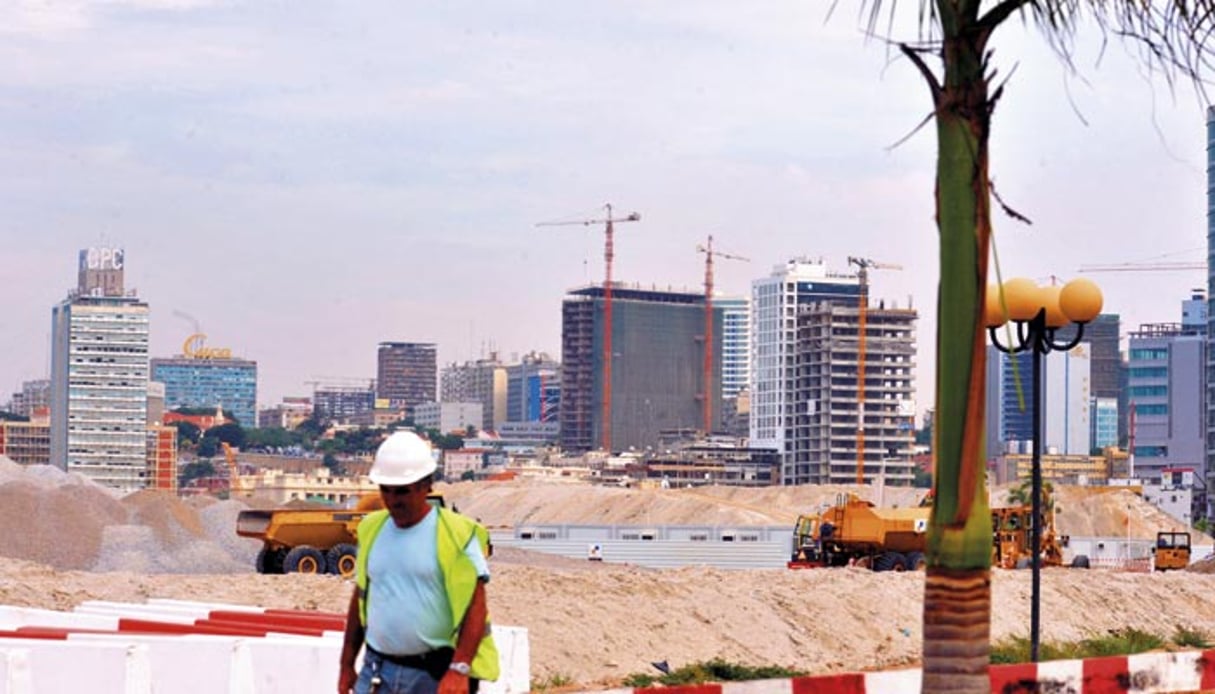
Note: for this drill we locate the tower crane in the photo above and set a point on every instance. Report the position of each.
(707, 249)
(863, 266)
(1159, 266)
(608, 222)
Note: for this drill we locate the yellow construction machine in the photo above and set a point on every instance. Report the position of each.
(310, 541)
(1172, 551)
(854, 532)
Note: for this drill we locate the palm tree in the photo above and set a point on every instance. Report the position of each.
(1172, 36)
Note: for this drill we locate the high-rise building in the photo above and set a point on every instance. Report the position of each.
(533, 389)
(735, 344)
(1209, 381)
(33, 397)
(657, 369)
(775, 301)
(1165, 390)
(210, 378)
(99, 377)
(406, 374)
(824, 447)
(482, 381)
(341, 401)
(1108, 370)
(1066, 409)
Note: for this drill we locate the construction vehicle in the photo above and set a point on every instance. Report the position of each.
(1172, 551)
(309, 541)
(854, 532)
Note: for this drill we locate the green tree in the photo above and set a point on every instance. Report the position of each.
(1173, 37)
(208, 447)
(231, 434)
(187, 432)
(334, 465)
(192, 471)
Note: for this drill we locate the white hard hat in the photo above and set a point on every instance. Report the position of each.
(403, 458)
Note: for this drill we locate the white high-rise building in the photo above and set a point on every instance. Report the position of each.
(99, 377)
(775, 300)
(735, 344)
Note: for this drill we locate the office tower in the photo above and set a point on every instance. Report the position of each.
(99, 376)
(482, 381)
(657, 369)
(1165, 392)
(33, 398)
(775, 302)
(406, 374)
(1066, 409)
(533, 389)
(824, 447)
(1103, 335)
(340, 401)
(210, 378)
(735, 344)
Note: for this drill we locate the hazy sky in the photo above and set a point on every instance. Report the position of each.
(307, 179)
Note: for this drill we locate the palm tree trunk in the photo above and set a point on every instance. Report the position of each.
(957, 593)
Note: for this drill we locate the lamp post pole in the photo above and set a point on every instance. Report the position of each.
(1038, 313)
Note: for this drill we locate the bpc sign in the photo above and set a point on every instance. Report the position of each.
(101, 259)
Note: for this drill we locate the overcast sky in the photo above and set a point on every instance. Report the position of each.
(306, 179)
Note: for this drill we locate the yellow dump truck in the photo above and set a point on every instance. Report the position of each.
(854, 532)
(309, 541)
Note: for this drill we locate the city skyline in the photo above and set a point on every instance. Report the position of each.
(306, 194)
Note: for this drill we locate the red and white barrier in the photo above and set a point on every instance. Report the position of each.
(192, 648)
(1147, 673)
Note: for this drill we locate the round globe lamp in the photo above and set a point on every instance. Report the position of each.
(994, 314)
(1080, 300)
(1049, 296)
(1021, 296)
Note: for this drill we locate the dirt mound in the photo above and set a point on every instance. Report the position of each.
(509, 504)
(68, 522)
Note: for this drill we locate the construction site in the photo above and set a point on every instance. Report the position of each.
(591, 623)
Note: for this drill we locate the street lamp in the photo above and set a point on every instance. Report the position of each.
(1039, 311)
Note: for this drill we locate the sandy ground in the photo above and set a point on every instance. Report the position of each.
(592, 623)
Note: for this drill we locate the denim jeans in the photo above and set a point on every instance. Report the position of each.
(397, 679)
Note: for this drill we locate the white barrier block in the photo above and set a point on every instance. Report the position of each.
(514, 661)
(189, 664)
(292, 666)
(1165, 672)
(1062, 675)
(132, 611)
(13, 617)
(758, 687)
(15, 672)
(893, 681)
(205, 606)
(67, 666)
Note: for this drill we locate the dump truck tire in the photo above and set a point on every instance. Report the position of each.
(269, 561)
(304, 560)
(1080, 561)
(916, 561)
(890, 561)
(341, 559)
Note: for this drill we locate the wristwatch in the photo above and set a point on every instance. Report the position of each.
(462, 668)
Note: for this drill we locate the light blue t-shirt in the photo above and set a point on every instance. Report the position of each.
(407, 608)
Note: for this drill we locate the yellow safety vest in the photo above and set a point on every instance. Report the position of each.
(459, 577)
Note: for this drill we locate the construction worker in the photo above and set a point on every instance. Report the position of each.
(419, 604)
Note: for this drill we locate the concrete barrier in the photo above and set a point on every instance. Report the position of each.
(1146, 673)
(192, 648)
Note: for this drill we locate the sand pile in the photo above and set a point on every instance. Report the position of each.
(68, 522)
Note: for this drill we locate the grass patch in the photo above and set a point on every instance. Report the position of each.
(1015, 649)
(716, 670)
(553, 681)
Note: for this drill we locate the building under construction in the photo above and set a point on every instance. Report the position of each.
(826, 438)
(657, 375)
